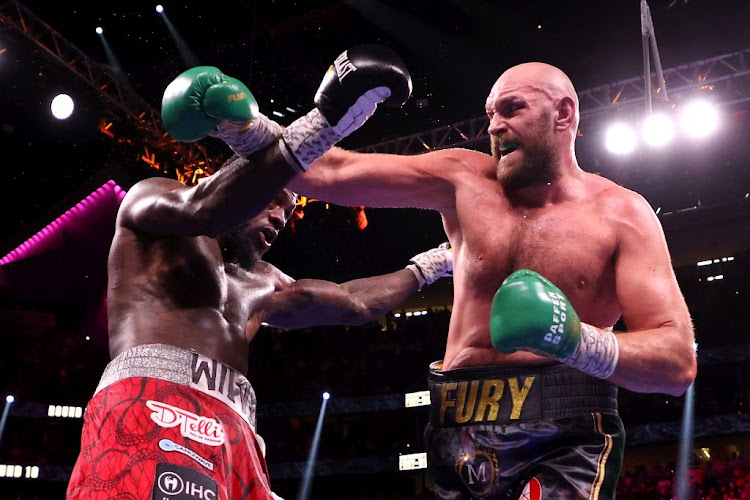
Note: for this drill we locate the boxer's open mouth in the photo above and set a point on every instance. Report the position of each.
(507, 148)
(269, 235)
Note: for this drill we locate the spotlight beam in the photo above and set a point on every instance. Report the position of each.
(8, 401)
(188, 58)
(686, 444)
(304, 493)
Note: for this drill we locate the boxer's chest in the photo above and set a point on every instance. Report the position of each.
(572, 245)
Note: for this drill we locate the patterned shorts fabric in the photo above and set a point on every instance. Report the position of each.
(146, 438)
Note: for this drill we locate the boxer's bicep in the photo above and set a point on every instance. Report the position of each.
(647, 288)
(380, 180)
(656, 353)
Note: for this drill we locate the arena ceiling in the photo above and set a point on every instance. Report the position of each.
(281, 48)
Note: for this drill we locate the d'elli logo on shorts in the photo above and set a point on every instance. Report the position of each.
(196, 427)
(478, 470)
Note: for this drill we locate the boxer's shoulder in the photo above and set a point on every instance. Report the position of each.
(154, 185)
(462, 160)
(618, 202)
(147, 188)
(270, 274)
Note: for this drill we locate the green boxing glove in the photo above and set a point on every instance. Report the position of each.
(531, 314)
(199, 99)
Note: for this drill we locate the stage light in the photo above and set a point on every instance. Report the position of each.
(699, 119)
(326, 395)
(62, 106)
(159, 8)
(620, 139)
(658, 129)
(9, 398)
(99, 30)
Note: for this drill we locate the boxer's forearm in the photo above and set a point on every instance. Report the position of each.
(239, 191)
(659, 360)
(316, 302)
(380, 294)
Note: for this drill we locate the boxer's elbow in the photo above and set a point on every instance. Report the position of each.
(683, 377)
(684, 369)
(355, 313)
(313, 302)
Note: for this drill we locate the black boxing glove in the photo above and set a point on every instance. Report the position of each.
(359, 79)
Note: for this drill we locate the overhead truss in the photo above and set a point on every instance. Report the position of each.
(159, 151)
(727, 77)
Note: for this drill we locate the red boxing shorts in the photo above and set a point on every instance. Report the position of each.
(170, 424)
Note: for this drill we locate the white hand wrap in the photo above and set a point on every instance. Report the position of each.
(596, 354)
(246, 138)
(432, 265)
(309, 137)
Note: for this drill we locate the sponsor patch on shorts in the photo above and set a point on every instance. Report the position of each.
(169, 445)
(532, 490)
(180, 483)
(202, 429)
(478, 470)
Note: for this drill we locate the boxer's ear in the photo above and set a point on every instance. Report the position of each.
(565, 113)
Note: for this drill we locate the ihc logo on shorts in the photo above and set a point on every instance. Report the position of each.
(180, 483)
(170, 483)
(478, 470)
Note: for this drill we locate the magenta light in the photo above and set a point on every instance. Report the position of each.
(27, 247)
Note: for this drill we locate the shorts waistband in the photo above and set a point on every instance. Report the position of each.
(189, 368)
(493, 395)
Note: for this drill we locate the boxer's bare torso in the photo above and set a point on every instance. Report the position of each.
(180, 291)
(570, 238)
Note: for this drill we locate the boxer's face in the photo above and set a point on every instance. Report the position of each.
(248, 243)
(521, 132)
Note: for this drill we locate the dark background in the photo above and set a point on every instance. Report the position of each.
(51, 302)
(455, 51)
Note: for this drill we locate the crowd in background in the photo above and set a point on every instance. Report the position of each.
(54, 363)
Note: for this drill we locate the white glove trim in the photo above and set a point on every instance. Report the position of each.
(246, 138)
(597, 354)
(417, 274)
(309, 137)
(433, 265)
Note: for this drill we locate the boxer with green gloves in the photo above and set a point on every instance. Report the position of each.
(523, 403)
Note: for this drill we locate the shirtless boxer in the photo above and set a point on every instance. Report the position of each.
(522, 405)
(173, 415)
